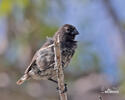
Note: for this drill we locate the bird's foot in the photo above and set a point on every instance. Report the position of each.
(65, 89)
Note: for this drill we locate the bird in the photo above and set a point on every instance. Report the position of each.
(42, 64)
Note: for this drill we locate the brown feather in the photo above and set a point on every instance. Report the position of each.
(42, 64)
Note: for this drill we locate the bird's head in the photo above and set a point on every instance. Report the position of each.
(67, 32)
(70, 30)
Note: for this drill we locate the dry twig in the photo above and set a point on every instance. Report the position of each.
(59, 69)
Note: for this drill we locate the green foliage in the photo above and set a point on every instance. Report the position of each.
(122, 66)
(6, 6)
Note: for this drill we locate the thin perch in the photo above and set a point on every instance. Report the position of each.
(59, 69)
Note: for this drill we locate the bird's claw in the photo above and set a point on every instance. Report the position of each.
(65, 89)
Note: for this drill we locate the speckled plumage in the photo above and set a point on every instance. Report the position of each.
(42, 64)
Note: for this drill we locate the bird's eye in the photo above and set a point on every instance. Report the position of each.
(68, 30)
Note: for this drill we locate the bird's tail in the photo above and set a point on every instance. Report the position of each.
(22, 79)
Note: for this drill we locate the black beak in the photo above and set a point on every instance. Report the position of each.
(75, 32)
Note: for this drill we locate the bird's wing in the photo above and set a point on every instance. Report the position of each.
(33, 62)
(43, 57)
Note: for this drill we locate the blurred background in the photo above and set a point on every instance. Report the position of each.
(98, 64)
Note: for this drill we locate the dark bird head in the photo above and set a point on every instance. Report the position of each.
(70, 29)
(67, 33)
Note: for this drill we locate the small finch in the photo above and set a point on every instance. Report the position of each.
(42, 64)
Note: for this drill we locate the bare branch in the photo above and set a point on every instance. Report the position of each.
(47, 47)
(59, 69)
